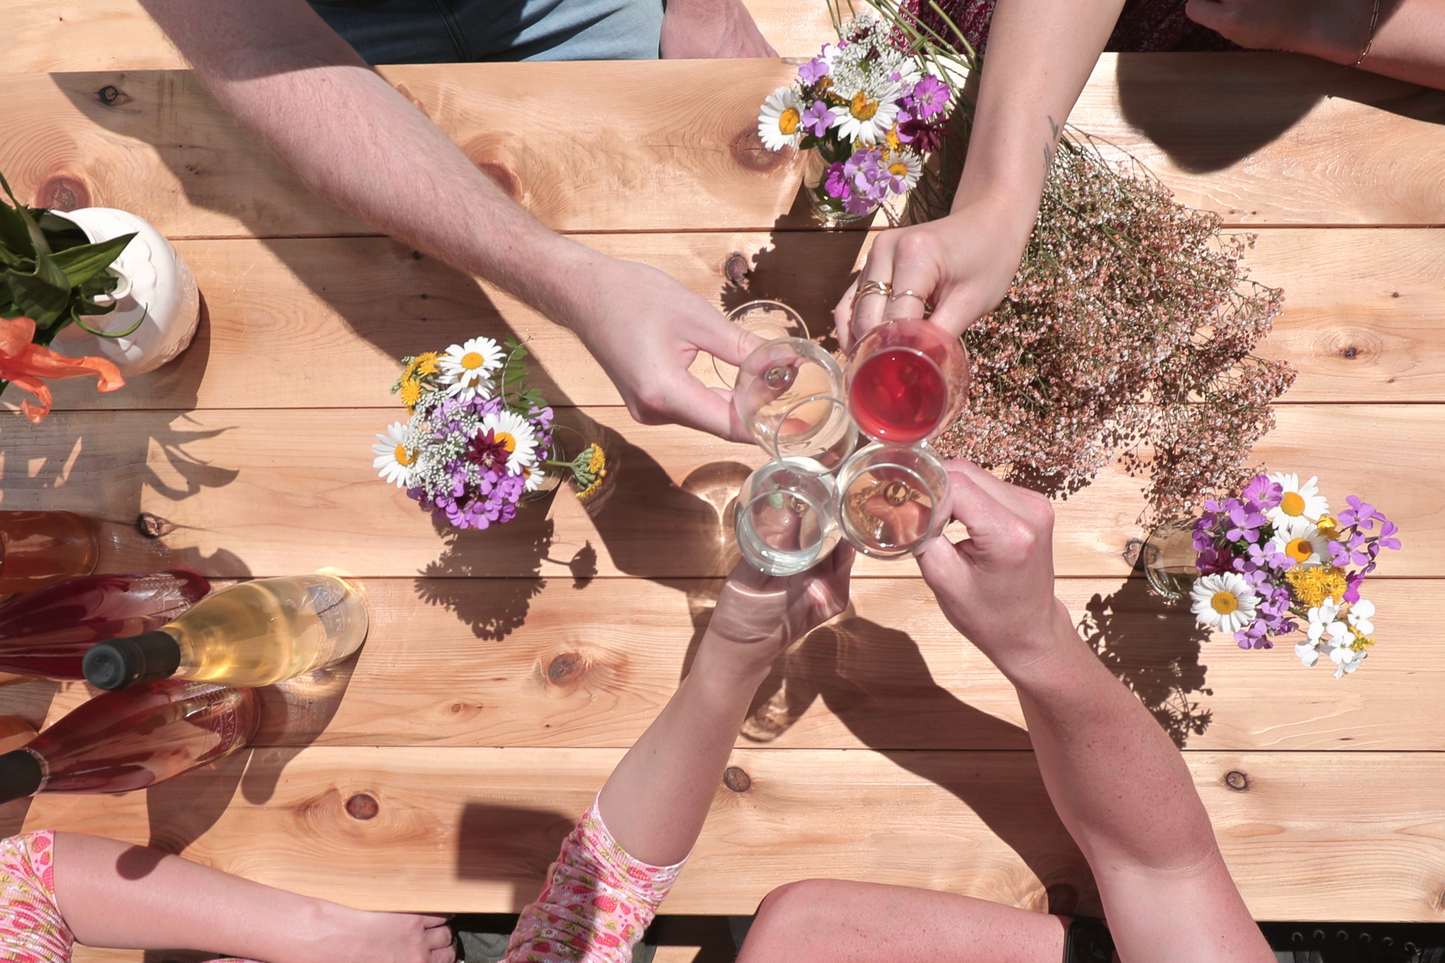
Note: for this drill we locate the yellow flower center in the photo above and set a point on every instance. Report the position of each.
(1292, 504)
(898, 169)
(472, 360)
(506, 441)
(1224, 602)
(1299, 549)
(404, 457)
(894, 145)
(789, 121)
(863, 108)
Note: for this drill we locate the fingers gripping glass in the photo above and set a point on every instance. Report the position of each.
(789, 393)
(907, 381)
(892, 499)
(787, 518)
(768, 320)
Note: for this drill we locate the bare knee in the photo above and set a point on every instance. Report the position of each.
(792, 923)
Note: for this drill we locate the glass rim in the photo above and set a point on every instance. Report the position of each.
(849, 437)
(858, 463)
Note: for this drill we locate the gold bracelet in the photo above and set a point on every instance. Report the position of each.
(1370, 39)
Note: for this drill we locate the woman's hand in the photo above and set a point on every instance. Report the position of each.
(758, 616)
(960, 265)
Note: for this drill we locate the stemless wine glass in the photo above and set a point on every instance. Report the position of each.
(907, 381)
(787, 517)
(892, 499)
(790, 395)
(769, 320)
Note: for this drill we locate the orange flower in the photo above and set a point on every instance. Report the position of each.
(23, 364)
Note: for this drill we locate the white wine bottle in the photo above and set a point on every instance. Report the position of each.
(250, 634)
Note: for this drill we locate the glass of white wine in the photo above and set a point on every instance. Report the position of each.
(768, 320)
(787, 517)
(892, 499)
(790, 394)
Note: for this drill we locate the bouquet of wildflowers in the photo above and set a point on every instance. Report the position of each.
(478, 440)
(1276, 554)
(868, 110)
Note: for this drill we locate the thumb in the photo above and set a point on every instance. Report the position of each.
(1206, 13)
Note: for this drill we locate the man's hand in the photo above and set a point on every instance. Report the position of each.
(997, 585)
(711, 30)
(1334, 30)
(960, 265)
(758, 616)
(645, 329)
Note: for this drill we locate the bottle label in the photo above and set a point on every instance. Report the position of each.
(326, 602)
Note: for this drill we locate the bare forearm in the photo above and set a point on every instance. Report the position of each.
(1408, 42)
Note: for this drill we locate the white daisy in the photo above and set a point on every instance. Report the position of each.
(517, 434)
(781, 122)
(1300, 502)
(906, 168)
(393, 458)
(1359, 616)
(1304, 544)
(1225, 602)
(467, 368)
(870, 115)
(535, 476)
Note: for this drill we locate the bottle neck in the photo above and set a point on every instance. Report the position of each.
(22, 773)
(120, 663)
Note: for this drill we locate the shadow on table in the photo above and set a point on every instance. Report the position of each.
(1218, 108)
(511, 844)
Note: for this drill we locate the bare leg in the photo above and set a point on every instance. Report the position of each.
(130, 897)
(840, 921)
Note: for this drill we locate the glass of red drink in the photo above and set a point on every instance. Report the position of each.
(790, 394)
(892, 499)
(907, 381)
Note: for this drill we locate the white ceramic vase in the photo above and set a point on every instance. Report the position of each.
(155, 284)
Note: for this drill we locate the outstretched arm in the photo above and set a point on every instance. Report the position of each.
(359, 143)
(130, 897)
(1118, 783)
(1040, 53)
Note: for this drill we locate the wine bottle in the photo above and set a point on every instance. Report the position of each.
(41, 548)
(47, 633)
(250, 634)
(122, 741)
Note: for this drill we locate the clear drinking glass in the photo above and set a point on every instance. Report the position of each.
(892, 499)
(787, 517)
(768, 320)
(907, 381)
(1170, 560)
(790, 394)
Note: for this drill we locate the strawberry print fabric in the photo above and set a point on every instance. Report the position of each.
(596, 903)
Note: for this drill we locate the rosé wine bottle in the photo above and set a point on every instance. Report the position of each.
(123, 741)
(41, 548)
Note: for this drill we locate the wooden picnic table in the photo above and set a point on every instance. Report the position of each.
(508, 670)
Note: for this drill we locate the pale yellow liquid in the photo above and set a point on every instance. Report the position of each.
(266, 631)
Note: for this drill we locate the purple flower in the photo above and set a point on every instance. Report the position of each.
(814, 70)
(1263, 492)
(927, 99)
(1387, 529)
(1361, 514)
(1353, 581)
(1350, 553)
(836, 182)
(817, 118)
(921, 135)
(1246, 521)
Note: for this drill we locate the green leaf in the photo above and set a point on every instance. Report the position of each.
(43, 296)
(14, 237)
(81, 264)
(61, 232)
(37, 239)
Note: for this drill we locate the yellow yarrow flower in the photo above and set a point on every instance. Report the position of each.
(1311, 586)
(410, 392)
(426, 363)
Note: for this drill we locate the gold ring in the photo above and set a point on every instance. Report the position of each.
(872, 287)
(907, 294)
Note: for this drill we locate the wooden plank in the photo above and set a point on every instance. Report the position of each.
(288, 491)
(490, 662)
(474, 829)
(53, 35)
(1343, 326)
(1368, 150)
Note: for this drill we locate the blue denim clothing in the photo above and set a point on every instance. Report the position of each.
(462, 31)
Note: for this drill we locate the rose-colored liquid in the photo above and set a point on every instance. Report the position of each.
(47, 633)
(898, 396)
(127, 740)
(41, 548)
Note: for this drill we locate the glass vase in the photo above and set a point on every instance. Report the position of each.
(1170, 561)
(828, 211)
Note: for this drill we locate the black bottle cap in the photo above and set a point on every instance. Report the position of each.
(120, 663)
(20, 775)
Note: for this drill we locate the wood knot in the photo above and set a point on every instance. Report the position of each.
(153, 526)
(735, 268)
(737, 780)
(566, 668)
(1394, 294)
(112, 96)
(1350, 352)
(1062, 898)
(749, 151)
(1236, 780)
(362, 806)
(503, 177)
(63, 194)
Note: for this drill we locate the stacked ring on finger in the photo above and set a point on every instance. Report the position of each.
(872, 287)
(894, 296)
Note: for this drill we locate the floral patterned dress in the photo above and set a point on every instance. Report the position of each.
(595, 904)
(1144, 25)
